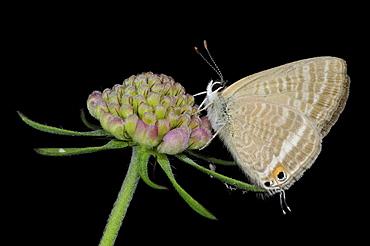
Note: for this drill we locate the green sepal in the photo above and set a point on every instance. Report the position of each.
(234, 182)
(113, 144)
(165, 164)
(143, 161)
(55, 130)
(211, 159)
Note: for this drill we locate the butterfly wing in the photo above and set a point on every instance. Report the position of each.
(318, 87)
(275, 120)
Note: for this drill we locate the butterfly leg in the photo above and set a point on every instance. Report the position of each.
(214, 135)
(283, 202)
(200, 109)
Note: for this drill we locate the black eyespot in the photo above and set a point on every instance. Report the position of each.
(268, 183)
(281, 176)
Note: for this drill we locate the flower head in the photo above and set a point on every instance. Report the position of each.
(152, 111)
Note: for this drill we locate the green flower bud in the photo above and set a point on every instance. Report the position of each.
(164, 127)
(117, 127)
(100, 106)
(173, 119)
(92, 102)
(114, 108)
(126, 110)
(143, 108)
(168, 101)
(195, 122)
(160, 111)
(105, 94)
(181, 100)
(149, 118)
(130, 90)
(158, 88)
(137, 100)
(146, 135)
(130, 124)
(153, 98)
(126, 98)
(184, 120)
(143, 89)
(154, 79)
(113, 97)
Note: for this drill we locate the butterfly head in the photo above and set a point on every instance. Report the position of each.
(212, 89)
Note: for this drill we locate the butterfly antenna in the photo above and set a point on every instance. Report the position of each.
(214, 65)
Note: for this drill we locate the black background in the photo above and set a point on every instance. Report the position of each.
(57, 55)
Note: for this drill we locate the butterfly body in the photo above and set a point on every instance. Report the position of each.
(273, 122)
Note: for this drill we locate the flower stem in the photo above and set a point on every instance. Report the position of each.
(123, 200)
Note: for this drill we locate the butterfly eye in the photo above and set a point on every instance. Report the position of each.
(281, 176)
(217, 86)
(268, 183)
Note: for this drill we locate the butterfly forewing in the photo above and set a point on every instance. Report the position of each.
(318, 87)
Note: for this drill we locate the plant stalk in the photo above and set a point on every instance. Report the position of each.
(123, 200)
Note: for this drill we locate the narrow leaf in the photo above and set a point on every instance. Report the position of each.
(165, 164)
(234, 182)
(211, 159)
(143, 158)
(113, 144)
(55, 130)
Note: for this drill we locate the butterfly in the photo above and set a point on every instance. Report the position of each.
(273, 122)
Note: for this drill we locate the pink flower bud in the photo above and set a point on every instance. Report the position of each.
(174, 142)
(199, 138)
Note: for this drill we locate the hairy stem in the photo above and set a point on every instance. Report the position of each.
(123, 200)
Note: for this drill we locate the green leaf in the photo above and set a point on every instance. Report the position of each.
(143, 158)
(211, 159)
(165, 164)
(55, 130)
(113, 144)
(234, 182)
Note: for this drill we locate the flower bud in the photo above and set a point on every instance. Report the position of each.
(143, 108)
(146, 135)
(114, 108)
(126, 98)
(199, 137)
(149, 118)
(126, 110)
(130, 124)
(164, 127)
(160, 111)
(174, 142)
(153, 98)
